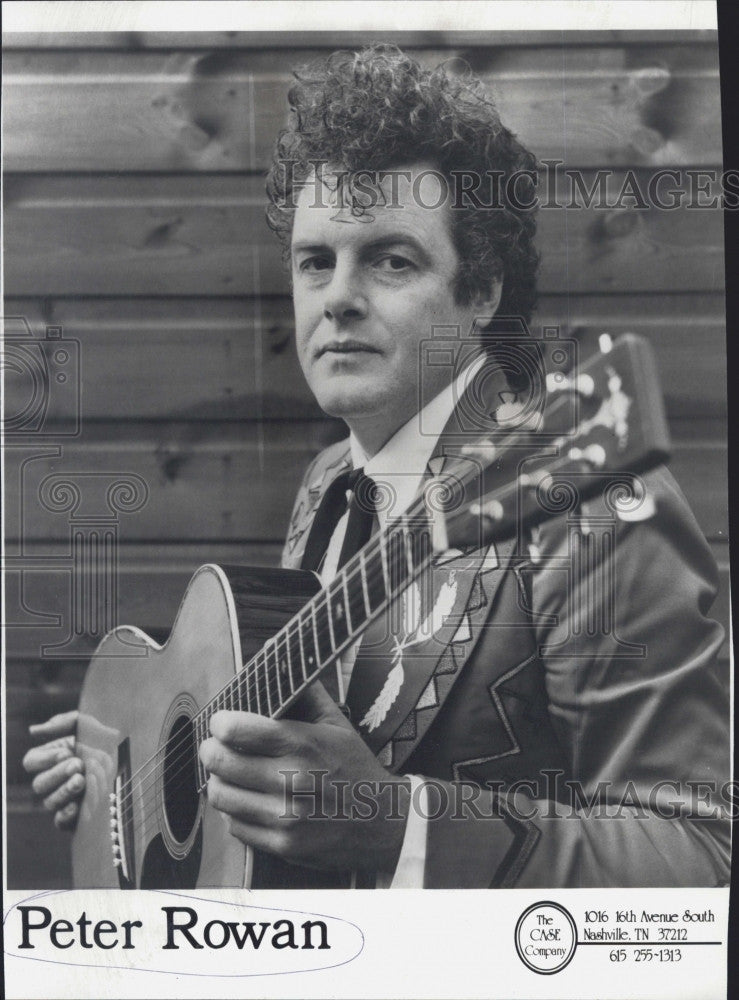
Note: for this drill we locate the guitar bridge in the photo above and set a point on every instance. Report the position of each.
(121, 820)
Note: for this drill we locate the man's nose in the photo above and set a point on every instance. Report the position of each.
(345, 299)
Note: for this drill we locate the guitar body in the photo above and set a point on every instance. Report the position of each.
(137, 703)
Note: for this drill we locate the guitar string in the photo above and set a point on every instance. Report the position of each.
(239, 683)
(149, 782)
(240, 680)
(398, 529)
(320, 601)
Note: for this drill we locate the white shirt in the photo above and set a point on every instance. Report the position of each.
(401, 465)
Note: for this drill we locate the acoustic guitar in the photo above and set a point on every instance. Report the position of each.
(254, 639)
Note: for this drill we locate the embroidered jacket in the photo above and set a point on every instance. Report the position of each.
(568, 707)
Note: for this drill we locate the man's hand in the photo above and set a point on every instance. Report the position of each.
(59, 774)
(350, 815)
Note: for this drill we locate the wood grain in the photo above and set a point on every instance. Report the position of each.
(206, 235)
(237, 481)
(151, 583)
(221, 109)
(229, 359)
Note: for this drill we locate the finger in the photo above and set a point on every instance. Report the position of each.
(244, 804)
(261, 774)
(256, 734)
(261, 838)
(64, 724)
(315, 704)
(71, 789)
(47, 781)
(46, 756)
(66, 818)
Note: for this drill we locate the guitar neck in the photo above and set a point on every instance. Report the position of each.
(328, 624)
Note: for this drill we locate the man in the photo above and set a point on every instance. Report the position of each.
(511, 747)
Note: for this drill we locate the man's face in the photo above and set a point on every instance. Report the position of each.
(367, 291)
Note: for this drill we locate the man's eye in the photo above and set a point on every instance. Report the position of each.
(393, 262)
(315, 264)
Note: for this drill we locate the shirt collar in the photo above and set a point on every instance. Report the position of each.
(401, 463)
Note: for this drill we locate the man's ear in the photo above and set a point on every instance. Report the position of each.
(487, 304)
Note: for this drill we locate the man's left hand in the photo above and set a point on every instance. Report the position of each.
(308, 790)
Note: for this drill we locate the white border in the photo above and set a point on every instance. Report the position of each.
(332, 15)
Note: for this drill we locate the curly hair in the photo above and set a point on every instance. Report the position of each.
(377, 109)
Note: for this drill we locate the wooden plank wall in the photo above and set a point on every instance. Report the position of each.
(134, 222)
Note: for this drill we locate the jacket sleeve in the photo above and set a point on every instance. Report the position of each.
(634, 696)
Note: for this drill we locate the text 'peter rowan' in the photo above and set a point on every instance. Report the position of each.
(181, 927)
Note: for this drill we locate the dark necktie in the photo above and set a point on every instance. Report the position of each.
(361, 515)
(332, 508)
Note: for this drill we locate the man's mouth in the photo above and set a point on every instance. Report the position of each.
(346, 347)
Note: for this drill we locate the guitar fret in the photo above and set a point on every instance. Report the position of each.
(257, 698)
(265, 678)
(339, 615)
(355, 598)
(387, 583)
(295, 655)
(350, 626)
(303, 658)
(245, 676)
(396, 561)
(318, 662)
(272, 666)
(407, 542)
(284, 677)
(324, 638)
(363, 575)
(327, 602)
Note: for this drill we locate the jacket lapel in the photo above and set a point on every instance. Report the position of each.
(392, 721)
(410, 657)
(328, 466)
(402, 678)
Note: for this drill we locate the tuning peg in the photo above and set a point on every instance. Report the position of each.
(490, 508)
(583, 383)
(594, 454)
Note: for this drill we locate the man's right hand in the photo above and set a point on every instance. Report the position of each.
(58, 774)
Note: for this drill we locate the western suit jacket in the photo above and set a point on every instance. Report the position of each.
(566, 710)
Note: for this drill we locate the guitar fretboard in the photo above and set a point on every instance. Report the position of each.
(327, 625)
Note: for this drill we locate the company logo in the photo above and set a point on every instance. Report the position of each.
(546, 938)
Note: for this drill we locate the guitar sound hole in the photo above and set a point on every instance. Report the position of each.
(181, 779)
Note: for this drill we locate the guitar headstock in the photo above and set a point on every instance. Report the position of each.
(598, 426)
